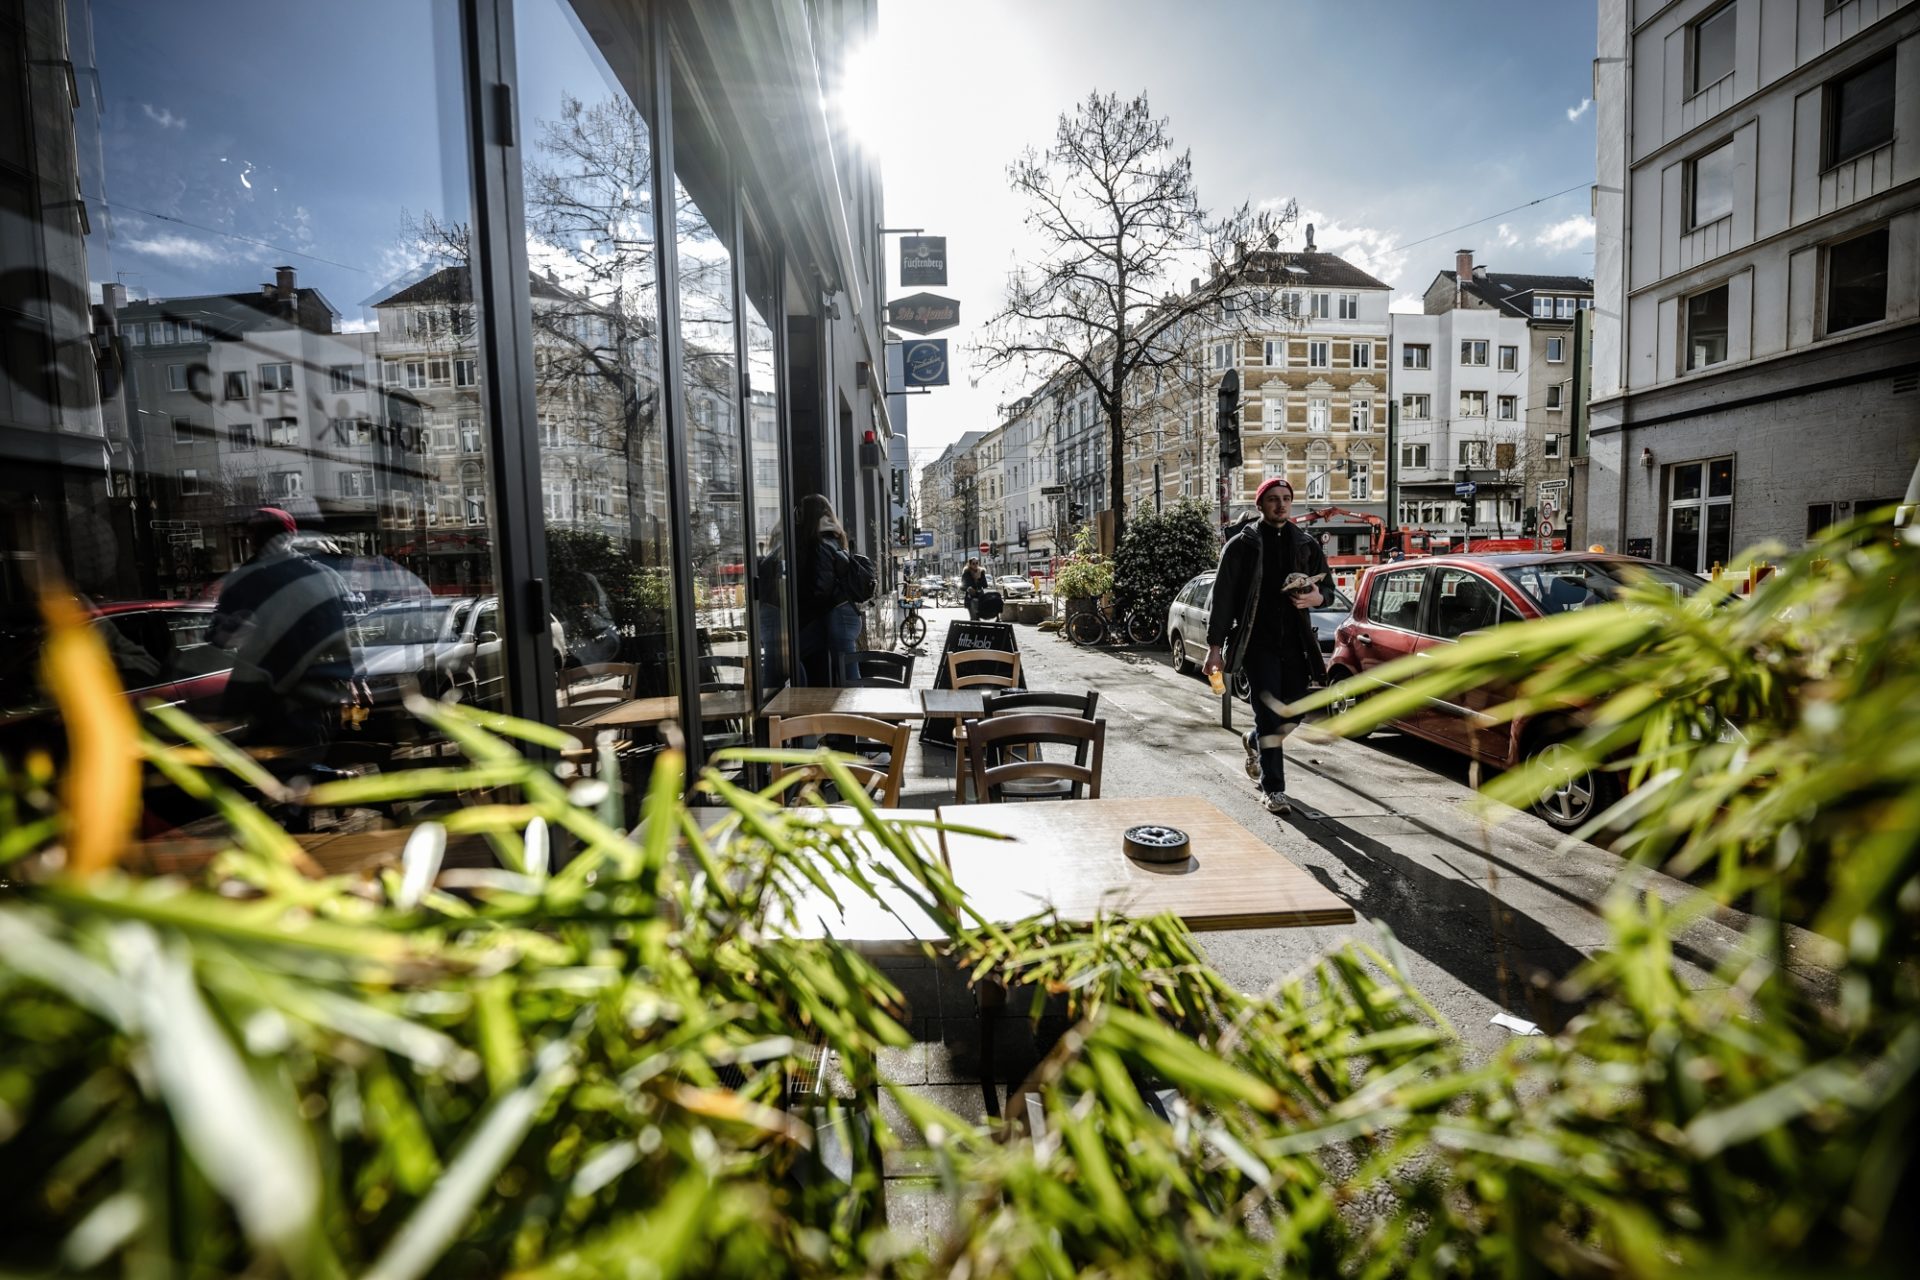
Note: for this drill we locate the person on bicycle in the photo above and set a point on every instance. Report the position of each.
(1266, 628)
(973, 582)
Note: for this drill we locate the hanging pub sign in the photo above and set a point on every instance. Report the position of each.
(923, 313)
(923, 260)
(924, 363)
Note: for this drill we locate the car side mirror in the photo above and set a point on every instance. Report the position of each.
(488, 637)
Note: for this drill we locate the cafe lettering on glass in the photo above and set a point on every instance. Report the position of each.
(923, 260)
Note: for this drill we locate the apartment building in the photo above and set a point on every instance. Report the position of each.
(1482, 378)
(1756, 361)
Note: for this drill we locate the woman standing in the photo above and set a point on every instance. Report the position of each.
(832, 581)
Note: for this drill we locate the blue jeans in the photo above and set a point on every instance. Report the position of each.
(1273, 680)
(843, 629)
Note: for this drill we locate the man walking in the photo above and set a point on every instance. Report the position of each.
(1269, 577)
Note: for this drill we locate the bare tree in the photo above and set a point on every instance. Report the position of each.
(1116, 208)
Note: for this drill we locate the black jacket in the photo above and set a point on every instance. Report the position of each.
(1237, 602)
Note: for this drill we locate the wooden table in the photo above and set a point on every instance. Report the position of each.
(730, 705)
(1067, 854)
(881, 703)
(336, 853)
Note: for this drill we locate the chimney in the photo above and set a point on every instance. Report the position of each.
(283, 283)
(1196, 285)
(1310, 248)
(1479, 273)
(1462, 273)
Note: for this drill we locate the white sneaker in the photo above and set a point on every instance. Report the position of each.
(1277, 802)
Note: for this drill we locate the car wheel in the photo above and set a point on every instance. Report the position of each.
(1178, 647)
(1576, 795)
(1340, 706)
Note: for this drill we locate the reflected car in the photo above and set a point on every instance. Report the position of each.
(1187, 621)
(1416, 606)
(1013, 586)
(447, 647)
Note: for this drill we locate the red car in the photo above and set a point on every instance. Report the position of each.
(1415, 606)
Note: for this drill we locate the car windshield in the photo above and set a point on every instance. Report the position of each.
(1566, 586)
(423, 623)
(1337, 600)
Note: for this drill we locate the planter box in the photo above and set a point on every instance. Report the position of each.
(1027, 611)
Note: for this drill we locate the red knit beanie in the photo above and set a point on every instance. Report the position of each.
(1269, 483)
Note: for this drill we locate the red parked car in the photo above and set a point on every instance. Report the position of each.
(1415, 606)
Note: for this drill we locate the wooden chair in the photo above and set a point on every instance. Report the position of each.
(991, 745)
(872, 669)
(1014, 702)
(597, 684)
(723, 680)
(880, 775)
(1002, 668)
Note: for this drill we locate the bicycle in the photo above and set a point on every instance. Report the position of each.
(1139, 623)
(913, 628)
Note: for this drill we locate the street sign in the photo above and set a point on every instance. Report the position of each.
(1052, 490)
(923, 260)
(1466, 488)
(924, 363)
(923, 313)
(986, 548)
(923, 537)
(1546, 531)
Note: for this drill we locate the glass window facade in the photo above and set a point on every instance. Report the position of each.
(317, 408)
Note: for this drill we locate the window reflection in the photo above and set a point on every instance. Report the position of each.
(233, 337)
(595, 302)
(771, 572)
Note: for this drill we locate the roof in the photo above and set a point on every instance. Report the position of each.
(1311, 271)
(455, 284)
(1513, 292)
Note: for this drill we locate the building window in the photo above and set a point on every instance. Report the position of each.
(137, 334)
(1857, 281)
(1361, 416)
(416, 375)
(1416, 356)
(1563, 308)
(276, 377)
(1473, 404)
(469, 435)
(1360, 483)
(346, 377)
(1710, 186)
(1290, 304)
(1472, 453)
(1707, 328)
(1317, 483)
(283, 431)
(466, 373)
(192, 483)
(440, 373)
(184, 432)
(1554, 395)
(1413, 455)
(356, 484)
(1473, 351)
(288, 484)
(1551, 448)
(1276, 353)
(1509, 407)
(1349, 306)
(1556, 350)
(1320, 306)
(1222, 355)
(1542, 308)
(1509, 359)
(1316, 415)
(1859, 111)
(475, 497)
(1361, 355)
(1319, 355)
(240, 437)
(1416, 407)
(236, 386)
(1700, 514)
(1711, 41)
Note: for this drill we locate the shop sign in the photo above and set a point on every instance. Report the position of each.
(923, 260)
(923, 313)
(924, 363)
(923, 537)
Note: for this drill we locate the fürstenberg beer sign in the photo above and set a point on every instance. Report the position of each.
(923, 313)
(923, 260)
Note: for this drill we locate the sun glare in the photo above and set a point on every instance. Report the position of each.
(856, 101)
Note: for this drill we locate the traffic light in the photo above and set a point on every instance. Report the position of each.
(1229, 415)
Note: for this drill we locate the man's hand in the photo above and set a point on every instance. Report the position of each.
(1214, 661)
(1308, 599)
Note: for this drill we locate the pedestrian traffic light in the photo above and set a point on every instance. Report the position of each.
(1229, 414)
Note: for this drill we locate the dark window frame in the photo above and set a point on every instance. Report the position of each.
(1831, 156)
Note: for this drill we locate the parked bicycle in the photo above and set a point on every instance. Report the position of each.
(913, 627)
(1101, 623)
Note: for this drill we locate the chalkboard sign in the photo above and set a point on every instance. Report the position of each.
(962, 636)
(1642, 547)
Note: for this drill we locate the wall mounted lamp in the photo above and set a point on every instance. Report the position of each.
(1646, 457)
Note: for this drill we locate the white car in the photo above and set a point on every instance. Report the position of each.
(1012, 586)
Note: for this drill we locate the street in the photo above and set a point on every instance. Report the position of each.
(1488, 917)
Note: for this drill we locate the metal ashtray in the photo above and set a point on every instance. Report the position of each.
(1151, 842)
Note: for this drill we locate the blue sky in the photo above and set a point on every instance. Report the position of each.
(1387, 121)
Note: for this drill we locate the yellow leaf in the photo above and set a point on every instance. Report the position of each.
(101, 793)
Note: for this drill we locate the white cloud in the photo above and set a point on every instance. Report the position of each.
(1566, 233)
(1407, 304)
(163, 117)
(177, 248)
(1371, 249)
(1574, 113)
(1508, 237)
